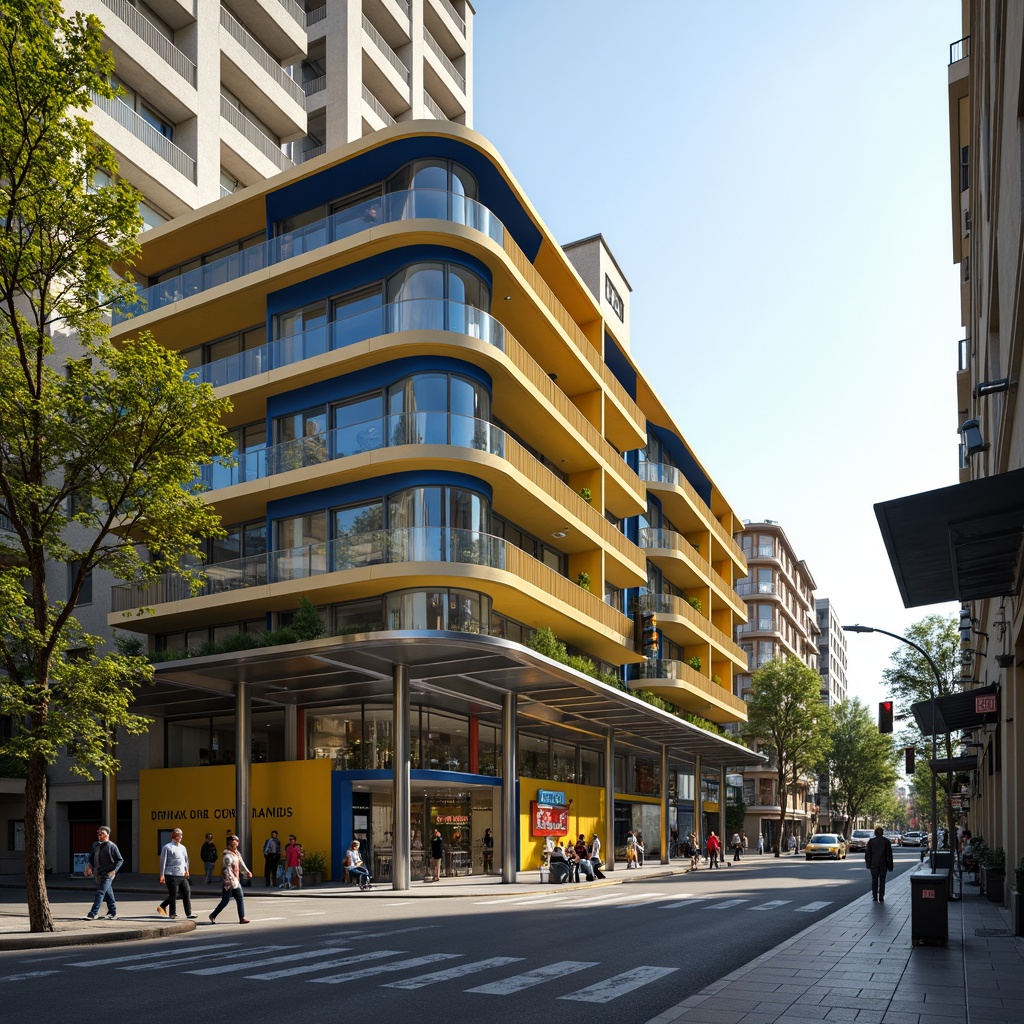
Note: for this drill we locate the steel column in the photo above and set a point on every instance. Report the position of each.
(402, 840)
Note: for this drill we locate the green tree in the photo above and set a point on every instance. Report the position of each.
(786, 716)
(910, 680)
(861, 761)
(95, 444)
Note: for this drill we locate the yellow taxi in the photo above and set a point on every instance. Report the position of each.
(826, 844)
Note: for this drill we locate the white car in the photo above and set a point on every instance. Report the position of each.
(859, 839)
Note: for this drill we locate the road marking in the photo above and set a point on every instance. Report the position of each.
(314, 913)
(520, 981)
(27, 975)
(397, 965)
(340, 962)
(770, 905)
(403, 903)
(612, 988)
(458, 971)
(646, 903)
(286, 959)
(725, 904)
(351, 936)
(812, 908)
(685, 901)
(150, 956)
(176, 958)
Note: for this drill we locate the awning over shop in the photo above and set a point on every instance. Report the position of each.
(956, 765)
(458, 672)
(959, 543)
(959, 711)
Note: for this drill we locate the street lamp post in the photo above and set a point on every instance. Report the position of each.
(936, 686)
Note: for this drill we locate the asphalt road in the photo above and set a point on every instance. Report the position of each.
(628, 951)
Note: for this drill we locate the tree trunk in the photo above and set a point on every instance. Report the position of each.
(783, 795)
(39, 916)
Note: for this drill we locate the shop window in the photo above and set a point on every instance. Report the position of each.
(337, 737)
(534, 761)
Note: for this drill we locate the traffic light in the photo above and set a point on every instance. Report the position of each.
(885, 716)
(909, 754)
(649, 634)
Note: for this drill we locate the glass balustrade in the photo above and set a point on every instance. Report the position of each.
(354, 551)
(355, 438)
(407, 315)
(411, 204)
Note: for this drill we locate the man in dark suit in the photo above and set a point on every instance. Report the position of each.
(878, 857)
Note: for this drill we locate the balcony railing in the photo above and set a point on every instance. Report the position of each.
(263, 142)
(309, 154)
(435, 47)
(382, 44)
(244, 38)
(431, 104)
(758, 626)
(314, 85)
(316, 15)
(960, 50)
(146, 133)
(355, 551)
(355, 439)
(454, 15)
(410, 315)
(295, 11)
(963, 352)
(395, 206)
(377, 107)
(746, 588)
(759, 551)
(154, 39)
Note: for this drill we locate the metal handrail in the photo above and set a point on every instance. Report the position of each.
(432, 105)
(314, 85)
(445, 60)
(382, 44)
(376, 106)
(316, 15)
(960, 50)
(154, 39)
(295, 11)
(146, 133)
(259, 53)
(258, 138)
(454, 15)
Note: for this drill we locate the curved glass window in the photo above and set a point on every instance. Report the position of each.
(413, 399)
(436, 188)
(436, 296)
(447, 608)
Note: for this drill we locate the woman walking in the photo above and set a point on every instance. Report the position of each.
(232, 867)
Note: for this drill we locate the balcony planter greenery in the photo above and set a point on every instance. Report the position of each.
(695, 604)
(583, 579)
(694, 663)
(585, 494)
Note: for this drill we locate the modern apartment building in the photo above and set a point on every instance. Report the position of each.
(965, 543)
(831, 652)
(444, 443)
(781, 623)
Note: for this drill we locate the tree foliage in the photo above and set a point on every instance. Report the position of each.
(100, 445)
(785, 714)
(861, 761)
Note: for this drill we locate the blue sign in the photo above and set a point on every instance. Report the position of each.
(551, 797)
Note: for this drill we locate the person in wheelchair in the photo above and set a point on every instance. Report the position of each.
(355, 867)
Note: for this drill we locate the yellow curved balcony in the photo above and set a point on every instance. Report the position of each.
(683, 686)
(684, 625)
(685, 567)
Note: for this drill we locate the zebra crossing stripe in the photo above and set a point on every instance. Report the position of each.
(287, 958)
(770, 905)
(812, 908)
(657, 898)
(397, 965)
(27, 975)
(612, 988)
(458, 971)
(726, 904)
(356, 958)
(520, 981)
(192, 957)
(212, 947)
(688, 901)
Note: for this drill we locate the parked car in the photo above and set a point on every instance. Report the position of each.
(859, 839)
(914, 838)
(826, 844)
(895, 838)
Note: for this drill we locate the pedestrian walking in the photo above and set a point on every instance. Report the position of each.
(209, 856)
(105, 861)
(743, 838)
(595, 857)
(583, 854)
(760, 844)
(271, 859)
(292, 876)
(232, 869)
(792, 845)
(640, 848)
(488, 851)
(631, 857)
(737, 846)
(174, 874)
(436, 854)
(878, 858)
(714, 849)
(693, 851)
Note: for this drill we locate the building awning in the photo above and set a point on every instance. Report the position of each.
(959, 711)
(466, 673)
(959, 543)
(956, 765)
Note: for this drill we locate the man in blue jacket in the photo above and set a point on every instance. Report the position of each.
(104, 863)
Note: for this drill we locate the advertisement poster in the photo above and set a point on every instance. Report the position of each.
(548, 821)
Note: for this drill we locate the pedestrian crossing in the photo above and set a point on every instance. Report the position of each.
(569, 899)
(337, 964)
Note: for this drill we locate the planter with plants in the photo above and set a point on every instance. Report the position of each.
(583, 580)
(1016, 908)
(314, 868)
(995, 873)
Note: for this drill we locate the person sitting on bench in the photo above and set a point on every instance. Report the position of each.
(560, 869)
(355, 867)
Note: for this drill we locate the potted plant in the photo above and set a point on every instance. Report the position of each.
(995, 873)
(585, 494)
(314, 867)
(694, 663)
(1016, 909)
(583, 580)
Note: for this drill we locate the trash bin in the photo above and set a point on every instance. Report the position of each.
(942, 860)
(929, 908)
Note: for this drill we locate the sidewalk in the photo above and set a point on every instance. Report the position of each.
(856, 965)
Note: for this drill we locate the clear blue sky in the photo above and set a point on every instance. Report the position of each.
(773, 179)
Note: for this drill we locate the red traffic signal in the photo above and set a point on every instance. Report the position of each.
(885, 716)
